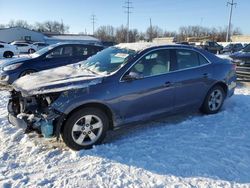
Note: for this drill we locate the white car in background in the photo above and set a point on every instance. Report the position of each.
(8, 50)
(39, 45)
(24, 47)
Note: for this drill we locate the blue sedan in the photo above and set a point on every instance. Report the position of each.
(49, 57)
(124, 84)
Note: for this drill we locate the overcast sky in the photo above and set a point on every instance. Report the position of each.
(167, 14)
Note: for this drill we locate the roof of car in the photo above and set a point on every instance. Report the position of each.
(139, 46)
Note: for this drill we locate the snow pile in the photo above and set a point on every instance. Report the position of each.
(190, 150)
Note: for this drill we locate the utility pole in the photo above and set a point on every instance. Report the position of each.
(128, 8)
(230, 19)
(93, 21)
(151, 30)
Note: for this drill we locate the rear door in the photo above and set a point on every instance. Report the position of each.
(23, 48)
(192, 74)
(83, 52)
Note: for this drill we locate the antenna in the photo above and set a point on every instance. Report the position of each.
(128, 8)
(230, 20)
(93, 21)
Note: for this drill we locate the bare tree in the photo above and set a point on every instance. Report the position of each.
(2, 26)
(106, 33)
(52, 26)
(153, 32)
(121, 34)
(19, 23)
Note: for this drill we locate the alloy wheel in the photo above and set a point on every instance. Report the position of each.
(87, 130)
(215, 100)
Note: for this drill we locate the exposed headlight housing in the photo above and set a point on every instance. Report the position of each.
(12, 67)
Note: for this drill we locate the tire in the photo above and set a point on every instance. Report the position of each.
(214, 100)
(8, 54)
(79, 130)
(30, 51)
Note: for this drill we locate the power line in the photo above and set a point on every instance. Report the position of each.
(128, 8)
(93, 21)
(230, 19)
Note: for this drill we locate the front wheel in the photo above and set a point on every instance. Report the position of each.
(85, 128)
(214, 100)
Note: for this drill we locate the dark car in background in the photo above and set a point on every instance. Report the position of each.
(49, 57)
(242, 61)
(124, 84)
(231, 48)
(212, 47)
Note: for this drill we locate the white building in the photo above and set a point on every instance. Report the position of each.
(19, 33)
(22, 34)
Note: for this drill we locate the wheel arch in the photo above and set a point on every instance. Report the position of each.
(26, 70)
(8, 51)
(221, 84)
(97, 105)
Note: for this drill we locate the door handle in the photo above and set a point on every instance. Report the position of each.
(168, 84)
(206, 75)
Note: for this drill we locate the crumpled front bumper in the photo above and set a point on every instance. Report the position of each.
(20, 123)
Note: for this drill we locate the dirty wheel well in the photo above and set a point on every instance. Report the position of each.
(223, 85)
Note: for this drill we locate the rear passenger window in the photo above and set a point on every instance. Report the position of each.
(203, 60)
(81, 51)
(1, 46)
(186, 59)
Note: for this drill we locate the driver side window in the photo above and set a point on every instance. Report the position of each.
(65, 51)
(154, 63)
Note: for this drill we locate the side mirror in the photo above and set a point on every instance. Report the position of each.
(132, 76)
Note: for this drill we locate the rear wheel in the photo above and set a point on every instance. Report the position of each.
(85, 128)
(214, 100)
(8, 54)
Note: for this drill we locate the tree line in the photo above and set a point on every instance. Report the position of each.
(185, 33)
(47, 26)
(119, 34)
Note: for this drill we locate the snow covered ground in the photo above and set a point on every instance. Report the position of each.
(190, 150)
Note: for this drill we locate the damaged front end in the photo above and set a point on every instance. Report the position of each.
(34, 113)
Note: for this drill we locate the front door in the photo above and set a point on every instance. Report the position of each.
(151, 93)
(59, 56)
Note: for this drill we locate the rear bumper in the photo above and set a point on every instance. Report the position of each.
(231, 88)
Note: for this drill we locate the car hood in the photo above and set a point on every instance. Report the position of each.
(14, 60)
(56, 80)
(240, 55)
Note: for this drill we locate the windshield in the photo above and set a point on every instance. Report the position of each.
(108, 60)
(43, 50)
(247, 48)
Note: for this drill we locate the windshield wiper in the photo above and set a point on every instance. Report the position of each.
(93, 72)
